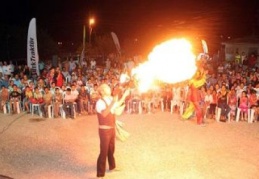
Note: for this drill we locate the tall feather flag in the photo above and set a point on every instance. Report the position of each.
(32, 49)
(204, 46)
(116, 42)
(82, 56)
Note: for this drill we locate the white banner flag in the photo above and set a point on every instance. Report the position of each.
(32, 49)
(116, 42)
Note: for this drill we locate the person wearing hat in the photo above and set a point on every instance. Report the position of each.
(107, 107)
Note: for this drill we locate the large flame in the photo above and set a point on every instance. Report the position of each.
(171, 62)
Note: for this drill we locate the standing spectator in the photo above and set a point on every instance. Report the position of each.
(252, 61)
(58, 77)
(50, 76)
(41, 65)
(6, 69)
(93, 64)
(11, 67)
(237, 58)
(72, 65)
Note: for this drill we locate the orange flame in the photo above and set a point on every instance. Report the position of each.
(171, 62)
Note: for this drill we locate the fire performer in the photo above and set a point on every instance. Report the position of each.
(107, 107)
(193, 97)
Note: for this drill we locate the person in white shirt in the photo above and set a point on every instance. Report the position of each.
(72, 65)
(93, 64)
(6, 69)
(1, 68)
(11, 67)
(68, 105)
(107, 107)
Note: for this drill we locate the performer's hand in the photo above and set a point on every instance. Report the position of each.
(126, 93)
(115, 98)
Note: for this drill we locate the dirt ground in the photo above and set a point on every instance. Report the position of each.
(160, 146)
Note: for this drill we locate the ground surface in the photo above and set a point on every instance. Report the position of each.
(160, 146)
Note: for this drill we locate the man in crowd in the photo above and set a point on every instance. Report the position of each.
(68, 105)
(107, 107)
(83, 99)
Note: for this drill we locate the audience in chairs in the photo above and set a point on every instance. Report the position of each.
(226, 85)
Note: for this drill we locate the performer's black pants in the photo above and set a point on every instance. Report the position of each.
(107, 147)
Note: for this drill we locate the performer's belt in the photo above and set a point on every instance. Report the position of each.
(105, 127)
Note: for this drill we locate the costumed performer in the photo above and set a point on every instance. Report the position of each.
(194, 98)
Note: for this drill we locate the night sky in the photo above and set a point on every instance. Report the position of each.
(149, 21)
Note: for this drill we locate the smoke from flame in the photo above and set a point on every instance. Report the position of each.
(171, 62)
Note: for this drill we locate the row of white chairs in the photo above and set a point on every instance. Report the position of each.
(36, 107)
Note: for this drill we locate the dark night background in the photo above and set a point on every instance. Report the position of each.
(145, 21)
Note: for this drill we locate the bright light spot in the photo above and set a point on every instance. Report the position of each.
(124, 78)
(172, 61)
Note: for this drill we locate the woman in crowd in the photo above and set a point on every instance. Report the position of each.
(222, 103)
(243, 106)
(253, 104)
(232, 103)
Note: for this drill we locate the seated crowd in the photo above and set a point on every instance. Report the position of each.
(70, 91)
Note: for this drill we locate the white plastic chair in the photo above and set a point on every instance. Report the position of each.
(36, 107)
(248, 115)
(251, 115)
(50, 111)
(218, 114)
